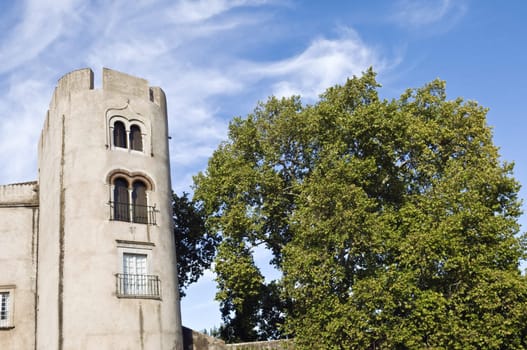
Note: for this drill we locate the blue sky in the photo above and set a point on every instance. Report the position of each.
(216, 58)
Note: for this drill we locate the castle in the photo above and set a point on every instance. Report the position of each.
(87, 257)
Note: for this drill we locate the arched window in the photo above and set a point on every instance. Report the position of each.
(136, 139)
(121, 209)
(119, 134)
(130, 197)
(139, 203)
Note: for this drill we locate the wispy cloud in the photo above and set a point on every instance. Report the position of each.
(200, 10)
(419, 13)
(325, 62)
(20, 129)
(42, 23)
(195, 50)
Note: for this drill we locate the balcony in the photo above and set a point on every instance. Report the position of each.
(5, 324)
(138, 286)
(140, 214)
(6, 308)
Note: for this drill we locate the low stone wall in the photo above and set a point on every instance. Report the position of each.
(193, 340)
(285, 344)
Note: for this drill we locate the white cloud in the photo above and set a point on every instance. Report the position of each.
(418, 13)
(200, 10)
(133, 51)
(42, 23)
(22, 111)
(188, 58)
(324, 63)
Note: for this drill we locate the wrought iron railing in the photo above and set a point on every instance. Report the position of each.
(138, 286)
(5, 323)
(141, 214)
(5, 319)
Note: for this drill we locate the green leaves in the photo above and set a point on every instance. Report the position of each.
(195, 246)
(394, 223)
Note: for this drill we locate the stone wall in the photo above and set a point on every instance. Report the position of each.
(193, 340)
(285, 344)
(18, 255)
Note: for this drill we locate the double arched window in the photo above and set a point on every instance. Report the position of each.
(126, 134)
(129, 200)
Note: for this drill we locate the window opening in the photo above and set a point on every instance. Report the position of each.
(134, 282)
(134, 270)
(139, 203)
(119, 134)
(129, 199)
(121, 205)
(136, 138)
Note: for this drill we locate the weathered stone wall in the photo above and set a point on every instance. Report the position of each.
(263, 345)
(198, 341)
(22, 194)
(82, 248)
(18, 256)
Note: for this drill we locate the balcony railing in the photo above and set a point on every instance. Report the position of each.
(141, 214)
(5, 322)
(138, 286)
(5, 309)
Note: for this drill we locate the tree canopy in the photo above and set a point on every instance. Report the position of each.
(195, 246)
(393, 222)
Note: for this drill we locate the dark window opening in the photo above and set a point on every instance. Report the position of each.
(119, 135)
(121, 208)
(136, 139)
(139, 203)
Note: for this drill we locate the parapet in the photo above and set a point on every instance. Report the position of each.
(20, 194)
(124, 84)
(113, 81)
(131, 86)
(81, 79)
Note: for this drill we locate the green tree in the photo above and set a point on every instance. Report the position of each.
(195, 246)
(250, 308)
(248, 195)
(239, 283)
(393, 221)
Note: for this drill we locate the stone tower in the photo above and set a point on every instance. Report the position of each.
(106, 272)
